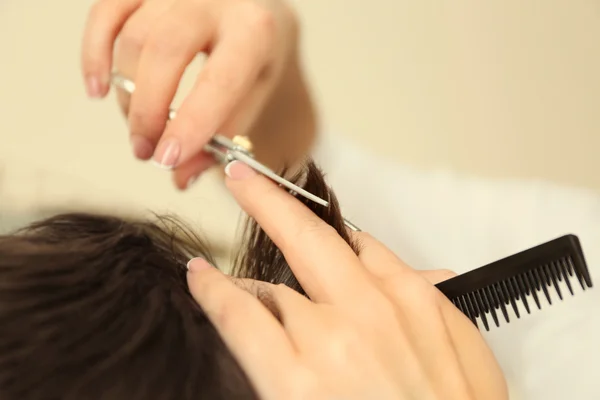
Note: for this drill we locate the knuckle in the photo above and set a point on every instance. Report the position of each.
(280, 289)
(98, 9)
(222, 315)
(364, 236)
(260, 20)
(134, 36)
(170, 37)
(220, 80)
(411, 289)
(363, 239)
(156, 43)
(311, 227)
(142, 119)
(446, 274)
(344, 343)
(222, 309)
(377, 312)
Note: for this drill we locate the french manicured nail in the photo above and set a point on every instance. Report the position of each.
(239, 171)
(93, 86)
(167, 154)
(197, 264)
(142, 148)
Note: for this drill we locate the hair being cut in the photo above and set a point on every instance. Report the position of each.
(97, 307)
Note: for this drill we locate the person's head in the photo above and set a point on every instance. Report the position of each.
(97, 307)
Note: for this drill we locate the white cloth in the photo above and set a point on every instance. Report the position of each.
(444, 220)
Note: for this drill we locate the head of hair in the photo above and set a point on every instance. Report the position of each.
(97, 307)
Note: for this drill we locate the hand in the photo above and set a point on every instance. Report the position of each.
(375, 328)
(251, 71)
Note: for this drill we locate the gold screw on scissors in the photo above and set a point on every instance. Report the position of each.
(243, 141)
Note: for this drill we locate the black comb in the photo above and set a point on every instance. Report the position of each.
(489, 290)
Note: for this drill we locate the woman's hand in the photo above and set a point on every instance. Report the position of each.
(250, 82)
(375, 328)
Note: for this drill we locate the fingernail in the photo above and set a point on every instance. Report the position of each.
(93, 87)
(191, 181)
(197, 264)
(142, 148)
(239, 171)
(167, 154)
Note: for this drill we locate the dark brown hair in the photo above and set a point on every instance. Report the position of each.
(97, 307)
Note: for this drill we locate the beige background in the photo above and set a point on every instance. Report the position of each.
(503, 88)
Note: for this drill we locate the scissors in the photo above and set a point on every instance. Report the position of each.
(226, 150)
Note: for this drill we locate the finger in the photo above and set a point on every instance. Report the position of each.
(382, 262)
(247, 112)
(105, 20)
(378, 258)
(250, 331)
(177, 37)
(186, 174)
(321, 260)
(132, 39)
(225, 79)
(419, 305)
(281, 300)
(420, 308)
(472, 353)
(300, 317)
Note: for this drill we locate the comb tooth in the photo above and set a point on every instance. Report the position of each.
(544, 275)
(472, 307)
(569, 265)
(497, 301)
(494, 294)
(479, 310)
(505, 293)
(551, 274)
(577, 273)
(457, 303)
(525, 288)
(487, 295)
(556, 270)
(518, 283)
(513, 289)
(538, 274)
(503, 302)
(469, 311)
(511, 280)
(564, 268)
(530, 281)
(484, 304)
(511, 297)
(534, 279)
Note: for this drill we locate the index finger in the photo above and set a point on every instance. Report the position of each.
(253, 335)
(105, 20)
(321, 260)
(226, 78)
